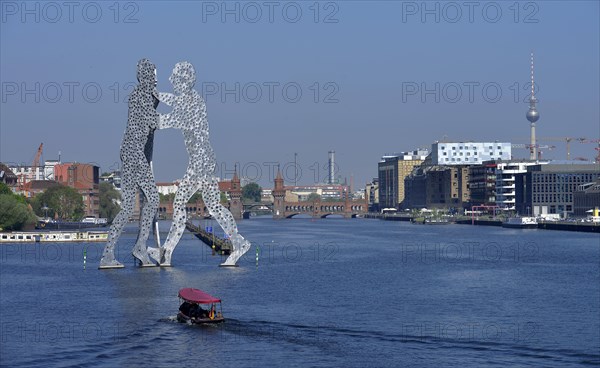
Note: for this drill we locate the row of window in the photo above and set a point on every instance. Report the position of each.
(545, 198)
(467, 147)
(555, 188)
(564, 178)
(474, 154)
(560, 208)
(458, 159)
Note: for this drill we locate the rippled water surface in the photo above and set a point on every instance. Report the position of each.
(329, 292)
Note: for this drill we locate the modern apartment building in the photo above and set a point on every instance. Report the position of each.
(482, 183)
(505, 181)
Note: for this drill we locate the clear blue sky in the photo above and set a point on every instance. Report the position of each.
(367, 61)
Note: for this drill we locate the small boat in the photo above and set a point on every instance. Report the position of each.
(53, 236)
(521, 223)
(87, 223)
(191, 311)
(436, 222)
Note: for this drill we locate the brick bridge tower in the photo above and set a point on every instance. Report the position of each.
(235, 205)
(278, 197)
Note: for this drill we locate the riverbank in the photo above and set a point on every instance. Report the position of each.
(587, 227)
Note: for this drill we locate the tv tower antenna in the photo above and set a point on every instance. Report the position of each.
(532, 116)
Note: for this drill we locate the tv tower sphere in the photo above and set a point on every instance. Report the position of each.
(533, 115)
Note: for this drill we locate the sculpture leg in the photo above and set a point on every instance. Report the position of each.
(149, 210)
(212, 198)
(185, 191)
(127, 203)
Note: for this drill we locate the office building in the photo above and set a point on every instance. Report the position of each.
(550, 188)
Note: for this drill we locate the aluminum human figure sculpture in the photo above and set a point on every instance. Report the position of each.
(189, 115)
(136, 157)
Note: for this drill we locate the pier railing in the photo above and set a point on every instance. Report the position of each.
(221, 246)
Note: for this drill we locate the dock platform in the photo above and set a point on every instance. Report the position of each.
(221, 246)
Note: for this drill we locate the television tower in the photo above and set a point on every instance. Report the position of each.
(532, 115)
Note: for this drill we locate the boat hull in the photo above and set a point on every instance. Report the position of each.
(54, 236)
(520, 226)
(199, 321)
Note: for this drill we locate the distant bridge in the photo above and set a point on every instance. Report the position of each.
(256, 207)
(316, 209)
(319, 209)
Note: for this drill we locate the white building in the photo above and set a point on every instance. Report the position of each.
(25, 174)
(167, 188)
(469, 153)
(49, 169)
(505, 181)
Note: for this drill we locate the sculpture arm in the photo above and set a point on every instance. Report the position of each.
(166, 121)
(166, 98)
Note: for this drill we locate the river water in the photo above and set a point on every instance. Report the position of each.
(329, 292)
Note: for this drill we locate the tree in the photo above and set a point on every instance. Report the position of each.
(15, 213)
(167, 197)
(196, 197)
(312, 197)
(109, 197)
(251, 192)
(4, 189)
(64, 201)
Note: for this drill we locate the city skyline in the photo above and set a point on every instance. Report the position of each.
(375, 78)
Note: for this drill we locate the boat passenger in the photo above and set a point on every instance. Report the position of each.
(199, 312)
(186, 308)
(211, 314)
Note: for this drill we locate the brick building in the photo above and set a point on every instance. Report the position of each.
(84, 178)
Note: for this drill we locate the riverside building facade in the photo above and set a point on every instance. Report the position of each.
(550, 188)
(392, 170)
(506, 190)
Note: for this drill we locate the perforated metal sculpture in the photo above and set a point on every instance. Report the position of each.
(189, 115)
(136, 157)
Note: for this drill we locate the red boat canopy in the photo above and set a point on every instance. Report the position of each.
(197, 296)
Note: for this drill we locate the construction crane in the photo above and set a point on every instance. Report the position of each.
(36, 160)
(567, 140)
(34, 166)
(530, 148)
(596, 148)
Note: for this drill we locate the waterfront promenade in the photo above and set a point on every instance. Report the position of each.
(582, 226)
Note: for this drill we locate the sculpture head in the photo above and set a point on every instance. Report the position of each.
(146, 73)
(183, 77)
